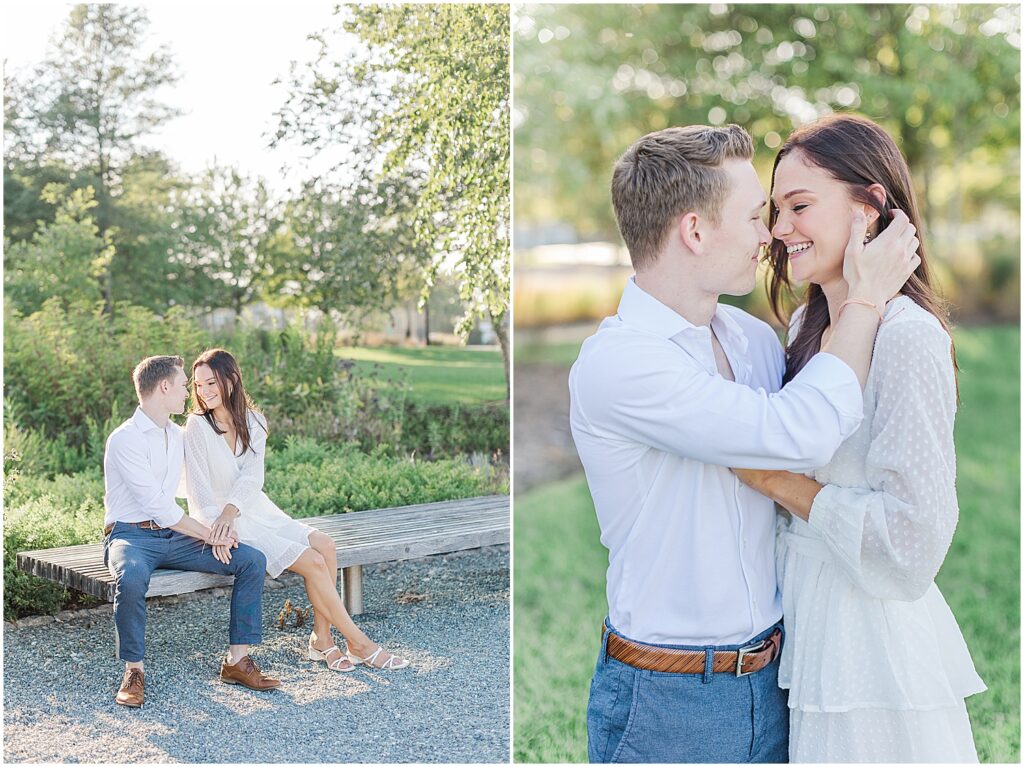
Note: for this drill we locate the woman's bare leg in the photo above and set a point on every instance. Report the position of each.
(321, 623)
(323, 593)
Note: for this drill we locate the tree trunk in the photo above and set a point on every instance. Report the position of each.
(426, 322)
(498, 321)
(103, 196)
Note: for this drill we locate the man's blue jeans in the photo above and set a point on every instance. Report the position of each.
(133, 553)
(647, 716)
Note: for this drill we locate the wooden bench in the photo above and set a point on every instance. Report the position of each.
(362, 538)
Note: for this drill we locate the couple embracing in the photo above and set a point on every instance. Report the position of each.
(232, 527)
(692, 423)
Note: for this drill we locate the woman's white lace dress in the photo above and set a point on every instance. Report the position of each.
(215, 478)
(875, 663)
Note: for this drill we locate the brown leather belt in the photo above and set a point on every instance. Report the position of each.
(146, 524)
(746, 660)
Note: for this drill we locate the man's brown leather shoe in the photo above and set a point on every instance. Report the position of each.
(247, 673)
(133, 688)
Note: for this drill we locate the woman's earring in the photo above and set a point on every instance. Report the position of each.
(868, 235)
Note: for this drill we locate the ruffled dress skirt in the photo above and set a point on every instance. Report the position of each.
(281, 538)
(870, 680)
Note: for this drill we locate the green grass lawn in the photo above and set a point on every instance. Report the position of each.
(560, 573)
(560, 354)
(436, 375)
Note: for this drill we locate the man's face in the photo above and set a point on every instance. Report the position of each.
(734, 246)
(177, 393)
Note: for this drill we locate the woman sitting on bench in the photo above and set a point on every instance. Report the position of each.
(225, 444)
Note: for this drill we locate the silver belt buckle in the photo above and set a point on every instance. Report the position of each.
(743, 652)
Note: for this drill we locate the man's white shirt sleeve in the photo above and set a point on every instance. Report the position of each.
(647, 391)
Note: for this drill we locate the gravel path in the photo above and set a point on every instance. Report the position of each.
(448, 614)
(544, 450)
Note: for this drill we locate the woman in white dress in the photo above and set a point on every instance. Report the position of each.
(225, 447)
(875, 664)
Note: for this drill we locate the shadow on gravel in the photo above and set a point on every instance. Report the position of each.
(451, 705)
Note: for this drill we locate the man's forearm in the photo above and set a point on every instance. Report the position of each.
(191, 527)
(794, 492)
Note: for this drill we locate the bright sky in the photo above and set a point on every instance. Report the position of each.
(227, 53)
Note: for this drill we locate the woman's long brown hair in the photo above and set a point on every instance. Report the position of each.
(856, 151)
(229, 378)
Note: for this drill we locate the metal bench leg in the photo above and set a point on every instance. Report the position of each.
(353, 580)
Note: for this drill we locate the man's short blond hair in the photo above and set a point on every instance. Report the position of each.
(667, 174)
(151, 371)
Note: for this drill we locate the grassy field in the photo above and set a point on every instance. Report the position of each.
(559, 587)
(436, 375)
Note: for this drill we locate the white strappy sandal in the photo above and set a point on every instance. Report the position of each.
(391, 664)
(324, 655)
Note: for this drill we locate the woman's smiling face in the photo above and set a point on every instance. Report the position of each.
(206, 387)
(814, 216)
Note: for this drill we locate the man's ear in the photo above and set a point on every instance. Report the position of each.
(691, 231)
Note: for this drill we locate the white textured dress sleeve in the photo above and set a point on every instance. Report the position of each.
(249, 483)
(202, 501)
(892, 538)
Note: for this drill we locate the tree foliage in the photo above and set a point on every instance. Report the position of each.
(428, 101)
(344, 248)
(227, 236)
(65, 258)
(85, 110)
(591, 79)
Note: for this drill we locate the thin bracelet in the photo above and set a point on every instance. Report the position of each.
(862, 302)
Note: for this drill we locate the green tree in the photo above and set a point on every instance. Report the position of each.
(65, 258)
(428, 99)
(88, 106)
(344, 249)
(590, 79)
(229, 227)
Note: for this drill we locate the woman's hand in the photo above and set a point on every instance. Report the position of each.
(878, 270)
(222, 531)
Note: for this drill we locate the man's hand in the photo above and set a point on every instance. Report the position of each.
(877, 271)
(222, 530)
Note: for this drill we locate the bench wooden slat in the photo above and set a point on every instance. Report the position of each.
(362, 538)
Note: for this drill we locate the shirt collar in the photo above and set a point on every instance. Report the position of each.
(643, 311)
(143, 422)
(726, 327)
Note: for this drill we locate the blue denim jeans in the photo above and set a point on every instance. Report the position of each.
(647, 716)
(133, 553)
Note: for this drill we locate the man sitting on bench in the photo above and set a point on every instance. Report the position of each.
(145, 529)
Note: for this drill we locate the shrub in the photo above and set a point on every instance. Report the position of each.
(451, 429)
(68, 370)
(305, 390)
(305, 479)
(38, 454)
(42, 513)
(290, 370)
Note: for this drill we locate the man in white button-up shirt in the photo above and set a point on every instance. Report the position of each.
(665, 397)
(145, 529)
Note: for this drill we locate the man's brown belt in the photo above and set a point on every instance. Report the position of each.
(746, 660)
(145, 524)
